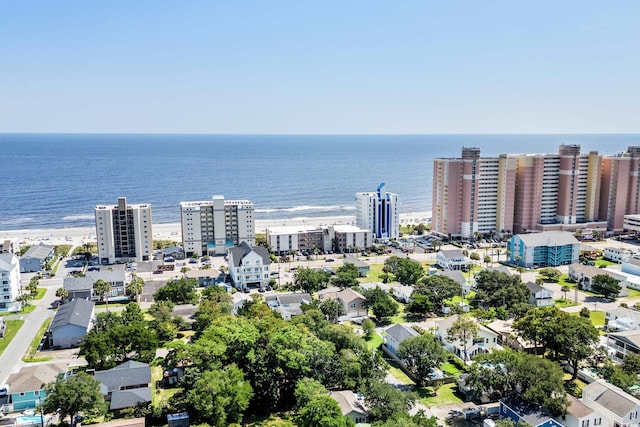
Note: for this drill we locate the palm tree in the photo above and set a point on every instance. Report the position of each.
(135, 286)
(102, 288)
(565, 289)
(520, 270)
(62, 293)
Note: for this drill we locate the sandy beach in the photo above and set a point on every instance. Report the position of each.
(172, 231)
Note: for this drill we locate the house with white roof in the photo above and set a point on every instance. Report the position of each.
(617, 407)
(403, 293)
(584, 274)
(452, 259)
(616, 254)
(622, 319)
(10, 281)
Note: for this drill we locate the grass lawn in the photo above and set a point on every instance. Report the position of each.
(604, 262)
(445, 395)
(41, 292)
(13, 326)
(561, 303)
(30, 356)
(160, 396)
(574, 387)
(274, 420)
(399, 375)
(633, 293)
(374, 342)
(597, 317)
(400, 317)
(450, 369)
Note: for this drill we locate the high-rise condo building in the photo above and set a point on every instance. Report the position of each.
(211, 227)
(378, 212)
(473, 194)
(535, 192)
(124, 232)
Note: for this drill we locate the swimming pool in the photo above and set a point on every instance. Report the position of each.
(25, 420)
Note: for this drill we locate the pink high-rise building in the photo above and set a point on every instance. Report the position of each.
(542, 192)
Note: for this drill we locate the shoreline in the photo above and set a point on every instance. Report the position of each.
(172, 231)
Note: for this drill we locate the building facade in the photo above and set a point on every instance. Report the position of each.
(378, 211)
(212, 227)
(307, 240)
(249, 266)
(10, 281)
(566, 191)
(124, 232)
(546, 249)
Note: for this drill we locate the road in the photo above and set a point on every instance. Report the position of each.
(11, 358)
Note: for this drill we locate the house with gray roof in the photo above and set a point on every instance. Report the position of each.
(353, 302)
(396, 334)
(617, 407)
(82, 287)
(288, 304)
(452, 259)
(71, 323)
(351, 405)
(622, 319)
(363, 267)
(207, 276)
(27, 387)
(126, 385)
(35, 258)
(584, 274)
(249, 266)
(539, 296)
(580, 415)
(534, 415)
(622, 343)
(546, 249)
(459, 277)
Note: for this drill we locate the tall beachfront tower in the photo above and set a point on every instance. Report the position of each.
(620, 193)
(211, 227)
(473, 194)
(378, 212)
(124, 232)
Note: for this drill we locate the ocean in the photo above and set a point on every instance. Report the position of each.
(55, 180)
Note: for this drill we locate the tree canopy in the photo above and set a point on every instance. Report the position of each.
(346, 276)
(178, 291)
(310, 280)
(605, 285)
(496, 289)
(72, 395)
(422, 354)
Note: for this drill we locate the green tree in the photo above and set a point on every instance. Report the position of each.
(497, 289)
(369, 328)
(178, 291)
(631, 363)
(308, 389)
(408, 272)
(381, 303)
(565, 289)
(322, 411)
(310, 280)
(463, 329)
(79, 393)
(422, 354)
(605, 285)
(332, 309)
(436, 289)
(346, 276)
(32, 287)
(475, 256)
(220, 396)
(102, 289)
(551, 273)
(134, 287)
(384, 401)
(62, 293)
(419, 304)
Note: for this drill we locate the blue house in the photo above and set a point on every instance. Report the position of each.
(518, 411)
(35, 258)
(26, 388)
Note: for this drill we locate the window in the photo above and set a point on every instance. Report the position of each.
(585, 423)
(597, 422)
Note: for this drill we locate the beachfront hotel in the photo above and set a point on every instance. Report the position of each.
(213, 226)
(378, 211)
(124, 232)
(567, 191)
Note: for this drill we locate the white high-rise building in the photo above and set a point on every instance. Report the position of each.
(124, 232)
(211, 227)
(378, 212)
(10, 280)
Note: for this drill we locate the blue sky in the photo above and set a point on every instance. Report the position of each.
(320, 67)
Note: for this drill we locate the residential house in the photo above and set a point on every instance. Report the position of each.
(9, 246)
(10, 281)
(584, 274)
(539, 296)
(126, 385)
(239, 298)
(622, 319)
(207, 277)
(546, 249)
(403, 293)
(353, 302)
(35, 258)
(580, 415)
(27, 387)
(396, 334)
(622, 343)
(288, 304)
(82, 287)
(452, 259)
(534, 415)
(508, 337)
(484, 341)
(457, 276)
(71, 323)
(631, 265)
(249, 266)
(351, 405)
(175, 252)
(618, 408)
(363, 267)
(617, 254)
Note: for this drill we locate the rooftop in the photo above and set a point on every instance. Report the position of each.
(549, 238)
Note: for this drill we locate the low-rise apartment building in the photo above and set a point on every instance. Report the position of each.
(545, 249)
(10, 281)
